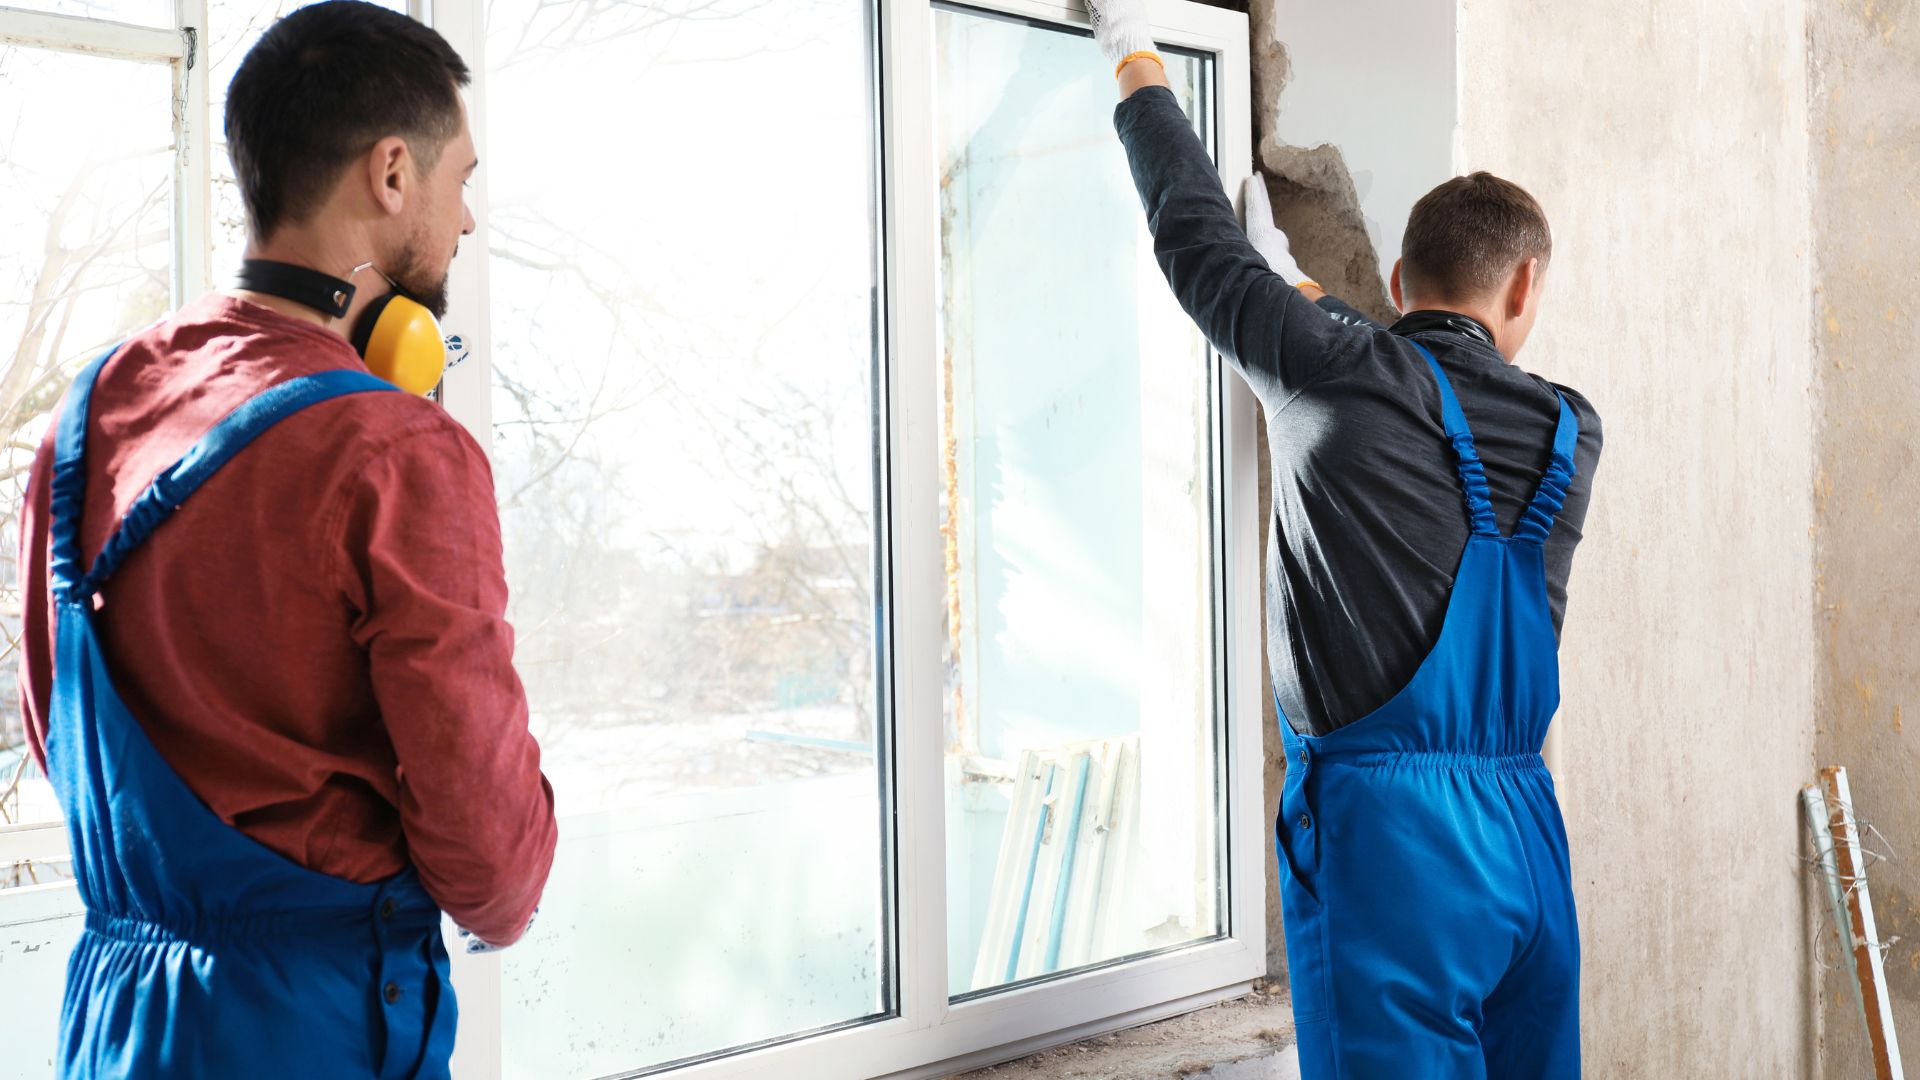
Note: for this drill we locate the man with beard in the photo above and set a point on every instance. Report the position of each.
(266, 659)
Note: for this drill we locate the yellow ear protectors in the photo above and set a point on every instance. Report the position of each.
(401, 343)
(396, 336)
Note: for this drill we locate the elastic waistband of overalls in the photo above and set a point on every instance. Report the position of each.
(1372, 754)
(342, 922)
(1454, 761)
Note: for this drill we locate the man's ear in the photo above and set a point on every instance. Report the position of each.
(1520, 288)
(390, 173)
(1393, 286)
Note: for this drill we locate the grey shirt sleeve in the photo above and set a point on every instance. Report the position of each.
(1341, 311)
(1278, 339)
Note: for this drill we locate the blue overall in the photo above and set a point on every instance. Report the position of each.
(1425, 884)
(206, 954)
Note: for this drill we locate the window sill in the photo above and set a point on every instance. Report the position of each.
(1248, 1038)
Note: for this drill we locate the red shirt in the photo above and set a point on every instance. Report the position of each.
(316, 641)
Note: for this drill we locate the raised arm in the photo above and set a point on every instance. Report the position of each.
(1241, 300)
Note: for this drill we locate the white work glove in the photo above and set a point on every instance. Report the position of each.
(1121, 28)
(475, 945)
(1266, 237)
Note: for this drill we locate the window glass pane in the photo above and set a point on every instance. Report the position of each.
(236, 25)
(1082, 807)
(137, 12)
(85, 258)
(682, 303)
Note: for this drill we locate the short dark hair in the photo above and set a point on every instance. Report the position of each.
(1465, 236)
(320, 88)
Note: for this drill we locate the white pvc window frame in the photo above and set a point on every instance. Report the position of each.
(182, 47)
(928, 1035)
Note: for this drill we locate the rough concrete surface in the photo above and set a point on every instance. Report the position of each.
(1244, 1039)
(1667, 140)
(1864, 69)
(1274, 771)
(1312, 191)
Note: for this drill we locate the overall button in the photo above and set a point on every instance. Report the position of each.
(392, 992)
(1306, 822)
(1303, 757)
(386, 908)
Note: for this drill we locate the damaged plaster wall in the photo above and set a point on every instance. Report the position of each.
(1315, 200)
(1667, 140)
(1357, 113)
(1864, 64)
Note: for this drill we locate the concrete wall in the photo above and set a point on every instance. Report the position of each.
(1668, 141)
(1865, 79)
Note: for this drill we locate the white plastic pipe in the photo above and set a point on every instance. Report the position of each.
(1817, 824)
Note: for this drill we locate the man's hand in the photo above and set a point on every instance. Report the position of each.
(1121, 28)
(475, 945)
(1269, 241)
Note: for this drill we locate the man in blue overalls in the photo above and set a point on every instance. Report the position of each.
(1412, 640)
(267, 662)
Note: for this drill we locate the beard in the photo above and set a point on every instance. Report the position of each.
(420, 280)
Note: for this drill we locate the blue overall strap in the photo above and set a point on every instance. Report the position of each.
(230, 436)
(69, 483)
(1473, 474)
(1537, 522)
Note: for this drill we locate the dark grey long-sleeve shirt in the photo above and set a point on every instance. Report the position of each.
(1368, 519)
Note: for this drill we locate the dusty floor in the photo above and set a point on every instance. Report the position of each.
(1204, 1045)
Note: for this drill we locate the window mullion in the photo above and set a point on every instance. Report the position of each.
(478, 978)
(192, 160)
(919, 579)
(467, 390)
(1248, 819)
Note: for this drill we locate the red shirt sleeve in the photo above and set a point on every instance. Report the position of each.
(420, 564)
(36, 600)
